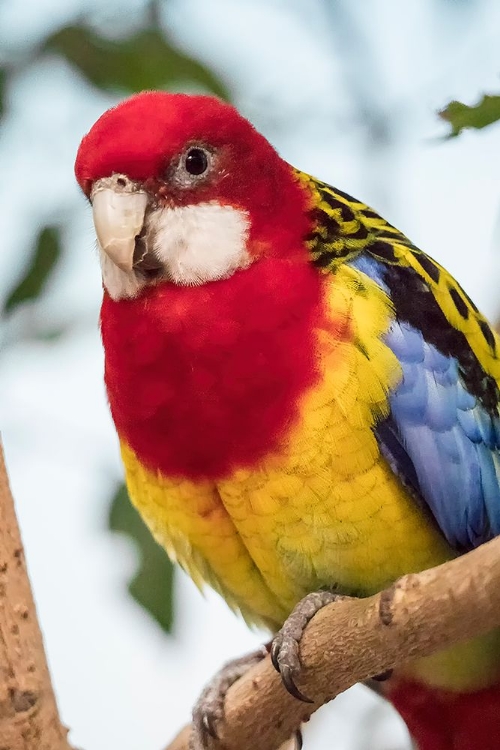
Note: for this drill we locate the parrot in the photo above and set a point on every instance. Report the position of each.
(307, 404)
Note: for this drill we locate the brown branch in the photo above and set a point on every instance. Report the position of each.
(28, 713)
(351, 640)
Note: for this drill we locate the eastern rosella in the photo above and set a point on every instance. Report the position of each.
(304, 399)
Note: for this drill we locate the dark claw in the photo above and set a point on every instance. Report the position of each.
(298, 739)
(275, 652)
(288, 682)
(209, 725)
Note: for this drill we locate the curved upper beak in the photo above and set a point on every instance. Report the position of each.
(119, 209)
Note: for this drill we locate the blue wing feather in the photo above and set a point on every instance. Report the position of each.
(449, 439)
(440, 440)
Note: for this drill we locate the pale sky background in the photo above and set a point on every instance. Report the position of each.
(354, 103)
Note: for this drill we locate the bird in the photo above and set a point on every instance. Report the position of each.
(305, 401)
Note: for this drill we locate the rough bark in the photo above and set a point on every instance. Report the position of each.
(29, 719)
(351, 640)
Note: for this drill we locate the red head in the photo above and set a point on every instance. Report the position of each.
(184, 189)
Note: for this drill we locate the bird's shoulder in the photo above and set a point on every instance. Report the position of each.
(422, 292)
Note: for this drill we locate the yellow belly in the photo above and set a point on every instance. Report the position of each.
(265, 539)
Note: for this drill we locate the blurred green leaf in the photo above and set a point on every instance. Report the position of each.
(152, 584)
(461, 116)
(42, 264)
(145, 60)
(53, 333)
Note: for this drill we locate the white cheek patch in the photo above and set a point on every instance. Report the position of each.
(200, 243)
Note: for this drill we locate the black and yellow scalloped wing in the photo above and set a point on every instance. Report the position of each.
(344, 227)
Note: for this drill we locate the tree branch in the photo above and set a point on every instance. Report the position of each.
(29, 719)
(351, 640)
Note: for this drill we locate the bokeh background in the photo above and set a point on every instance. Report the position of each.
(348, 91)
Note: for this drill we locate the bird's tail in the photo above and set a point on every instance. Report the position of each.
(442, 720)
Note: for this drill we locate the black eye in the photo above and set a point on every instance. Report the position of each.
(196, 162)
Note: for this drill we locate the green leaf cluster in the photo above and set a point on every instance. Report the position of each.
(145, 60)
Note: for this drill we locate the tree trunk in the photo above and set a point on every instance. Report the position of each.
(29, 719)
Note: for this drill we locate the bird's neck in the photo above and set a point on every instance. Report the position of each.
(204, 380)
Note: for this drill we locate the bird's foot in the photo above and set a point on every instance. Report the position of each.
(209, 708)
(285, 648)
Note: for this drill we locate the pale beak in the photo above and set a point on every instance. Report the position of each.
(119, 209)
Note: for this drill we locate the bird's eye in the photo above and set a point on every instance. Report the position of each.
(196, 161)
(190, 167)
